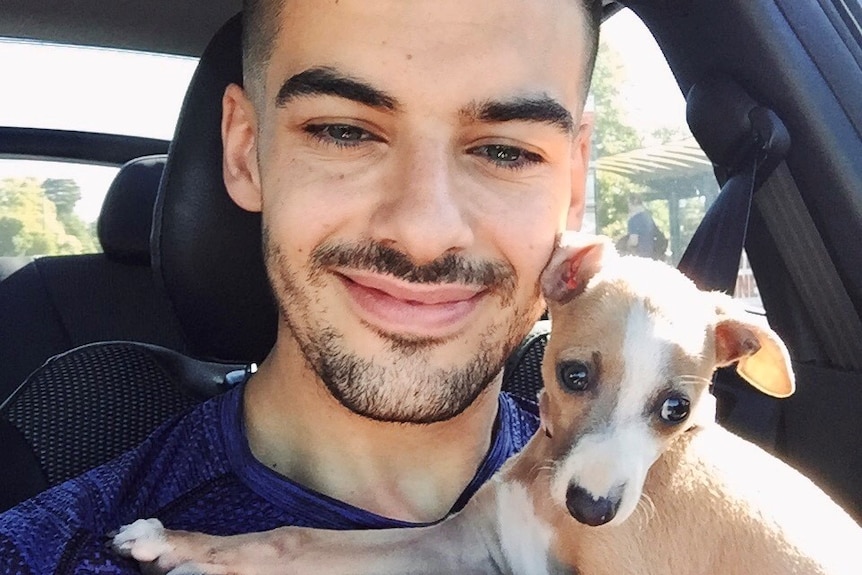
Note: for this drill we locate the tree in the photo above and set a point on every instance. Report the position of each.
(64, 194)
(30, 224)
(612, 135)
(9, 230)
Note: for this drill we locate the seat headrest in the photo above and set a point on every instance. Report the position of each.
(206, 250)
(126, 218)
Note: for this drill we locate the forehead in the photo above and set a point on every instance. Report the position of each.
(463, 49)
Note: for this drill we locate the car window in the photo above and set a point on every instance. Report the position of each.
(644, 152)
(51, 207)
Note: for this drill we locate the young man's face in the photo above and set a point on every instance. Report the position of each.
(414, 163)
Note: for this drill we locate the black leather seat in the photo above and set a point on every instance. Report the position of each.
(90, 404)
(207, 250)
(56, 303)
(11, 264)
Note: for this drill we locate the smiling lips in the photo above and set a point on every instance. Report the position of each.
(397, 306)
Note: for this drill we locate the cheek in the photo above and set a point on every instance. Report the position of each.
(525, 235)
(304, 204)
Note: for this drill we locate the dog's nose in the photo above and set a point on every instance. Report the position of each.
(589, 510)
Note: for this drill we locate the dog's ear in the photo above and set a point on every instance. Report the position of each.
(575, 260)
(762, 358)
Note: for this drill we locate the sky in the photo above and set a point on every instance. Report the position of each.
(112, 91)
(651, 98)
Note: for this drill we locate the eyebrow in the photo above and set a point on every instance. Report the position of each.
(325, 81)
(543, 109)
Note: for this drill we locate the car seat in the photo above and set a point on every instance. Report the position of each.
(56, 303)
(92, 403)
(11, 264)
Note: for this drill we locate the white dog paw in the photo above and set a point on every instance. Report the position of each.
(143, 540)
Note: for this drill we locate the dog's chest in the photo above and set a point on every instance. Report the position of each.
(524, 537)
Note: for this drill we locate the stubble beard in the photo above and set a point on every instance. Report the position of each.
(402, 387)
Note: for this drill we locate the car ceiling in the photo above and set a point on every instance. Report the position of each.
(170, 26)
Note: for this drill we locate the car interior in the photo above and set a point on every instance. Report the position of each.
(98, 349)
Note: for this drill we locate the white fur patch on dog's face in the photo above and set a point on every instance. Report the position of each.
(608, 463)
(613, 455)
(524, 538)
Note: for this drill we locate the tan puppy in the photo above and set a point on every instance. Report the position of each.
(628, 474)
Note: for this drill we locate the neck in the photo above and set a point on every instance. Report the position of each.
(402, 471)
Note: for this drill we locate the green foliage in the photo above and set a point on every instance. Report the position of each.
(613, 135)
(37, 218)
(64, 194)
(612, 209)
(9, 230)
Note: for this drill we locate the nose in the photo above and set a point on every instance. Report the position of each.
(423, 212)
(589, 510)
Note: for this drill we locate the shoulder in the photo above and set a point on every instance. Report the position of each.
(640, 220)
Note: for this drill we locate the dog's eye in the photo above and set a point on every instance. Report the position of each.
(573, 375)
(675, 409)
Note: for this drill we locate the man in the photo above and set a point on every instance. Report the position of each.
(641, 232)
(413, 163)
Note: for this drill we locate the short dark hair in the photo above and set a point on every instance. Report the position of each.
(593, 10)
(261, 23)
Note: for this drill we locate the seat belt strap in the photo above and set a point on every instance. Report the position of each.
(711, 259)
(807, 260)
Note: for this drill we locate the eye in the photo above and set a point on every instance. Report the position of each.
(340, 134)
(573, 376)
(509, 157)
(675, 409)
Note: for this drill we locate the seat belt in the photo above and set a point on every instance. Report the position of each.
(749, 143)
(832, 313)
(712, 257)
(746, 142)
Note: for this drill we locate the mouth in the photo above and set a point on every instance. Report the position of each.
(395, 306)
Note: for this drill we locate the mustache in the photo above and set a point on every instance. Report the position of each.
(449, 268)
